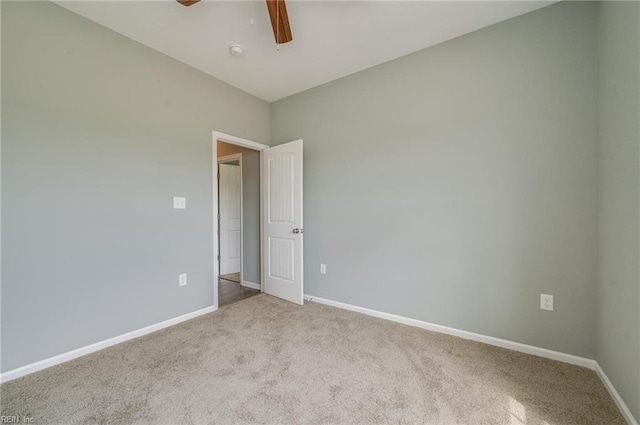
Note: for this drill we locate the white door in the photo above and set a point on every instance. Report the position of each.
(230, 217)
(282, 221)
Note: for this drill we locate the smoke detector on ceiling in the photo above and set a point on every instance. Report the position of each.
(236, 50)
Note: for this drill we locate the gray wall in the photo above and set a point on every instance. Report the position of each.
(618, 308)
(250, 209)
(457, 184)
(99, 133)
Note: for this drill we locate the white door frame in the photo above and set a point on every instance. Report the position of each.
(238, 141)
(224, 160)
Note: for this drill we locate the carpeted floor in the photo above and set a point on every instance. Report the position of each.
(263, 360)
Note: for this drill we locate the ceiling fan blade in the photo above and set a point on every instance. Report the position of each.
(187, 2)
(279, 21)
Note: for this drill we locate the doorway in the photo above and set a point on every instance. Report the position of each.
(271, 233)
(238, 223)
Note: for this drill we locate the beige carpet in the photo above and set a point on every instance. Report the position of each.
(263, 360)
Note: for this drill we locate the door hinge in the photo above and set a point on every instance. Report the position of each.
(218, 216)
(218, 258)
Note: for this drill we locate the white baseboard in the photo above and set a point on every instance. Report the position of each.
(624, 409)
(251, 285)
(74, 354)
(511, 345)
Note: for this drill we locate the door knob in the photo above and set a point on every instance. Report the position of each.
(296, 230)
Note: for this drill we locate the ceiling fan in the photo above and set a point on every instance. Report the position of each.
(277, 13)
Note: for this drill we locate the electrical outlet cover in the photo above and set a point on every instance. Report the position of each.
(546, 302)
(179, 202)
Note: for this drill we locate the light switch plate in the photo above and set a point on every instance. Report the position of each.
(323, 269)
(179, 202)
(182, 279)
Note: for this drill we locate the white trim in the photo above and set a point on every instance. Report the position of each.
(251, 284)
(624, 409)
(238, 141)
(222, 160)
(88, 349)
(262, 204)
(511, 345)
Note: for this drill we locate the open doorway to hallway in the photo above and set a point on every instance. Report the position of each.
(238, 223)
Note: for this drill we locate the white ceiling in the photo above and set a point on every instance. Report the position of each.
(331, 39)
